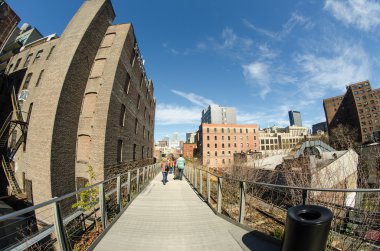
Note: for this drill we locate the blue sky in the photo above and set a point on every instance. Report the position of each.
(261, 57)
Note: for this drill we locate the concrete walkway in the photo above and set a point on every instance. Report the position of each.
(171, 217)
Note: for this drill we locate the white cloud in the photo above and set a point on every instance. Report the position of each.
(294, 20)
(194, 98)
(256, 73)
(177, 115)
(231, 40)
(363, 14)
(347, 64)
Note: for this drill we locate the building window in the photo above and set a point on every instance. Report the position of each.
(222, 130)
(39, 78)
(127, 83)
(138, 101)
(17, 63)
(216, 153)
(28, 60)
(216, 137)
(119, 151)
(246, 130)
(254, 137)
(122, 115)
(234, 130)
(208, 137)
(228, 137)
(97, 68)
(241, 130)
(228, 130)
(136, 125)
(38, 56)
(208, 129)
(27, 81)
(208, 145)
(50, 52)
(223, 161)
(215, 130)
(234, 144)
(222, 145)
(229, 145)
(216, 145)
(108, 40)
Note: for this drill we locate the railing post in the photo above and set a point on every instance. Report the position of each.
(305, 196)
(143, 176)
(59, 228)
(103, 209)
(195, 178)
(200, 181)
(129, 186)
(242, 202)
(138, 180)
(118, 194)
(219, 201)
(208, 184)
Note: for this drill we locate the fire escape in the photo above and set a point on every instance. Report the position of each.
(13, 125)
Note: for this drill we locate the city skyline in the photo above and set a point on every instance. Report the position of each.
(234, 55)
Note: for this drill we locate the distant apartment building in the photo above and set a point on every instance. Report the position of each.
(295, 118)
(8, 22)
(190, 137)
(218, 142)
(86, 101)
(188, 150)
(216, 114)
(358, 108)
(319, 127)
(274, 139)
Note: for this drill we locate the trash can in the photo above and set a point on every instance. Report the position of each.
(307, 228)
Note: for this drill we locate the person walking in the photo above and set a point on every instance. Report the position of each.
(180, 164)
(164, 170)
(171, 164)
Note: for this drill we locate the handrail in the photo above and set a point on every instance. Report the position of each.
(5, 125)
(293, 187)
(233, 207)
(58, 199)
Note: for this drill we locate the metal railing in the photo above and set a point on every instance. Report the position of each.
(263, 206)
(74, 220)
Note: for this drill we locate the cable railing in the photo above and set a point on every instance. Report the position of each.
(76, 220)
(263, 207)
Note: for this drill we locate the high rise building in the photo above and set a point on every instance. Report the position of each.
(190, 137)
(216, 114)
(218, 142)
(295, 118)
(86, 101)
(358, 108)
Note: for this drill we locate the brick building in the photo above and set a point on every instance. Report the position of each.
(86, 101)
(188, 150)
(357, 108)
(218, 142)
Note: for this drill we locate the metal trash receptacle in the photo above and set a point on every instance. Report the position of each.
(307, 228)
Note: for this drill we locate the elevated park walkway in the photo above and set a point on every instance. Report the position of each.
(204, 211)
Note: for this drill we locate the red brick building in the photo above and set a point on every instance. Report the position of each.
(188, 150)
(218, 142)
